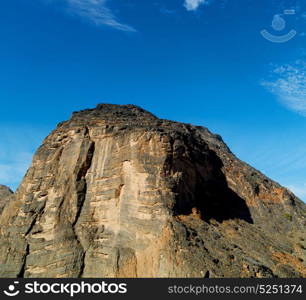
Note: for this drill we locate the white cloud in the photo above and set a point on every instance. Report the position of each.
(299, 191)
(17, 146)
(191, 5)
(288, 83)
(12, 172)
(96, 12)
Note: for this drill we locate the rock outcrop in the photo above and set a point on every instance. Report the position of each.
(117, 192)
(5, 196)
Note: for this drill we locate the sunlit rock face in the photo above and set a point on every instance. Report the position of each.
(117, 192)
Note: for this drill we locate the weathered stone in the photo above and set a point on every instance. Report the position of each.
(117, 192)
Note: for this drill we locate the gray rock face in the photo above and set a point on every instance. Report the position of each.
(5, 196)
(117, 192)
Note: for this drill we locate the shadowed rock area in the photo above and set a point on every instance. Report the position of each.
(117, 192)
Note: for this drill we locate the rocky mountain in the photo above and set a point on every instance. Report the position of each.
(117, 192)
(5, 196)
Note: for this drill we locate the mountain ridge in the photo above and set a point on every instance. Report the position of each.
(117, 192)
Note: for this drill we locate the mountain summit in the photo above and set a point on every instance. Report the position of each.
(118, 192)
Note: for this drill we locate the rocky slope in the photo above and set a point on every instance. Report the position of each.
(117, 192)
(5, 196)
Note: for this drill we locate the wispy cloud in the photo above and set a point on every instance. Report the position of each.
(96, 12)
(299, 191)
(288, 83)
(192, 5)
(12, 172)
(17, 146)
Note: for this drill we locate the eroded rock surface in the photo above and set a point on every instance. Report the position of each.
(117, 192)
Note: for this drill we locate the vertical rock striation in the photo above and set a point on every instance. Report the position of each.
(117, 192)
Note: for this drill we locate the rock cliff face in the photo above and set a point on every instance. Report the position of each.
(117, 192)
(5, 196)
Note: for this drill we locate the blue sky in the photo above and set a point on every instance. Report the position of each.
(196, 61)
